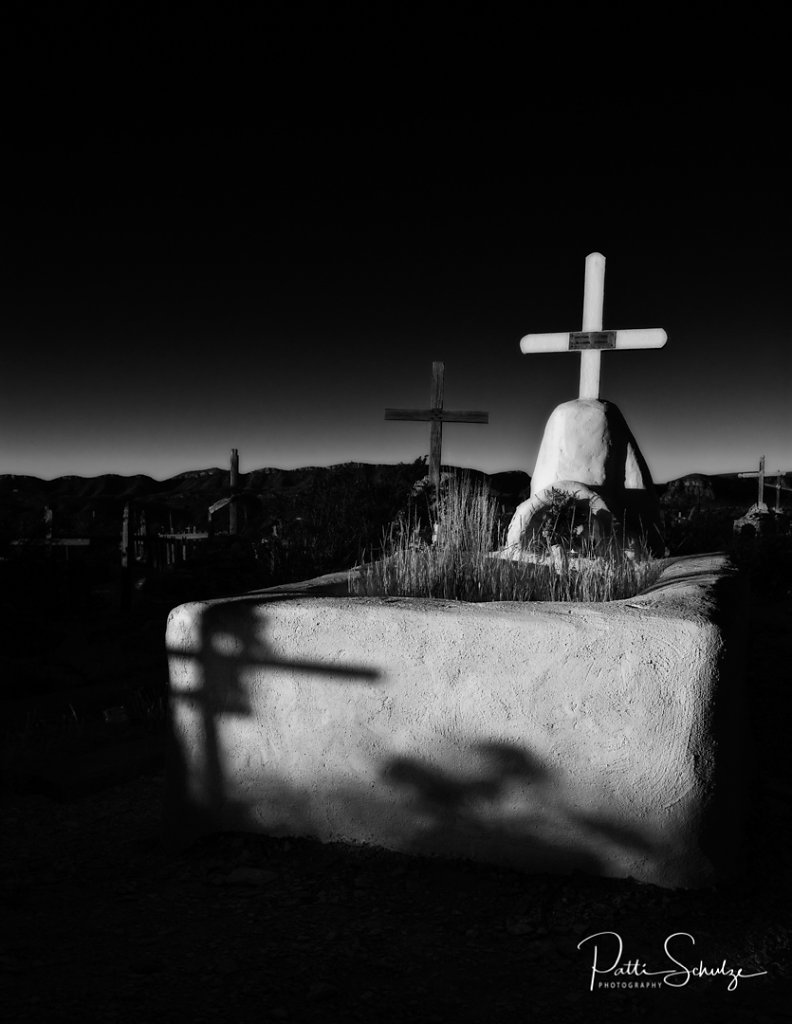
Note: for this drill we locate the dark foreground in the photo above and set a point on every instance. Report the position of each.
(102, 924)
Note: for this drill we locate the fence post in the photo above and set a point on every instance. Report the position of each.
(127, 556)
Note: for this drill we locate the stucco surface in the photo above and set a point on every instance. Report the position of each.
(551, 737)
(587, 441)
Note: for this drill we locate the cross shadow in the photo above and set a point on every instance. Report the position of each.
(208, 684)
(544, 833)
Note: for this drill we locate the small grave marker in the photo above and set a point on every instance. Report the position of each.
(437, 416)
(233, 527)
(591, 341)
(127, 555)
(780, 483)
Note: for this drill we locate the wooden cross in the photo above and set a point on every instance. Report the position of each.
(761, 480)
(780, 483)
(592, 340)
(437, 416)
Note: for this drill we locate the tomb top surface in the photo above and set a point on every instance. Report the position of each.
(684, 590)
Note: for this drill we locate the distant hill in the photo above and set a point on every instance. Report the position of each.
(87, 506)
(324, 517)
(724, 490)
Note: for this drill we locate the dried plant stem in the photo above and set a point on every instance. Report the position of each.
(462, 563)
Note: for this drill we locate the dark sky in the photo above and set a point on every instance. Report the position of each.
(193, 266)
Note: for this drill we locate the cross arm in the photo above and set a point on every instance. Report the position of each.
(578, 341)
(464, 416)
(437, 415)
(408, 414)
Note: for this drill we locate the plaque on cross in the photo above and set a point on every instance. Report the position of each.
(591, 341)
(437, 416)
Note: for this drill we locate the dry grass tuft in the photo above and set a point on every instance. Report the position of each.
(465, 562)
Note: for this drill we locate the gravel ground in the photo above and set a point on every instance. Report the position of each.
(101, 923)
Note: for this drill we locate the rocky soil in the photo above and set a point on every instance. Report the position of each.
(102, 924)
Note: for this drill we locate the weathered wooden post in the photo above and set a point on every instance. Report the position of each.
(436, 415)
(760, 475)
(142, 550)
(127, 555)
(233, 523)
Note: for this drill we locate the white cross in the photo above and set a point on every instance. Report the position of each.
(591, 340)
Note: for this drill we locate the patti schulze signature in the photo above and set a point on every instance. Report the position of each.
(675, 977)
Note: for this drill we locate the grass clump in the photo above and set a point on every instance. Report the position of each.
(456, 556)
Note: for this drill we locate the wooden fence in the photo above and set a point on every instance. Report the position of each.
(163, 550)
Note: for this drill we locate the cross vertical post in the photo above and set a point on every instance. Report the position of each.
(593, 299)
(592, 339)
(436, 434)
(760, 499)
(437, 415)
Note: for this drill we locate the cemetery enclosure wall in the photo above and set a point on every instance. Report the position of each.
(549, 737)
